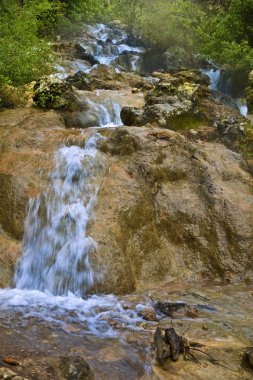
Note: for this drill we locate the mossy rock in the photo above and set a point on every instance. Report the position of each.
(120, 143)
(186, 121)
(79, 80)
(54, 93)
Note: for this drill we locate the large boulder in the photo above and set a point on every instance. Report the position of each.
(54, 93)
(177, 57)
(79, 80)
(181, 101)
(132, 116)
(72, 50)
(171, 209)
(172, 96)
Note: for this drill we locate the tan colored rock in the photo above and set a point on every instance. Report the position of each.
(148, 314)
(188, 216)
(10, 360)
(10, 251)
(168, 208)
(7, 374)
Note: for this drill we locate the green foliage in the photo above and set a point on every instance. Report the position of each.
(48, 15)
(221, 30)
(163, 23)
(227, 36)
(26, 27)
(130, 11)
(24, 56)
(87, 10)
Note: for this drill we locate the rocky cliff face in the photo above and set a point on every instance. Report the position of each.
(173, 216)
(178, 197)
(171, 206)
(171, 209)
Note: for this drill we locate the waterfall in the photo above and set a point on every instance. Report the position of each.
(216, 85)
(215, 75)
(55, 273)
(108, 114)
(56, 246)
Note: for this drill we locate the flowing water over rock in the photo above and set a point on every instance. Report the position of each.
(55, 270)
(55, 247)
(52, 312)
(107, 45)
(217, 85)
(108, 114)
(112, 45)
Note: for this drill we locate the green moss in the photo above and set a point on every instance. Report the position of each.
(185, 122)
(246, 142)
(160, 157)
(167, 174)
(138, 216)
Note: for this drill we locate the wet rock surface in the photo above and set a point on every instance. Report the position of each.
(73, 368)
(174, 208)
(180, 203)
(108, 78)
(45, 350)
(179, 213)
(9, 375)
(54, 93)
(180, 101)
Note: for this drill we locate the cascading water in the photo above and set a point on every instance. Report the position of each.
(107, 45)
(55, 271)
(56, 248)
(108, 114)
(216, 85)
(214, 75)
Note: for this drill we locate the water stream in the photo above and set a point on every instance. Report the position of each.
(54, 276)
(55, 245)
(216, 85)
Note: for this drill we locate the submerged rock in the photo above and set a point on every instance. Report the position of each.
(75, 368)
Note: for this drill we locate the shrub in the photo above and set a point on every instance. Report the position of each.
(227, 35)
(163, 23)
(24, 56)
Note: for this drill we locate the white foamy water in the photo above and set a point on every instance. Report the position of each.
(215, 78)
(215, 75)
(108, 114)
(92, 314)
(54, 272)
(112, 45)
(242, 106)
(55, 246)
